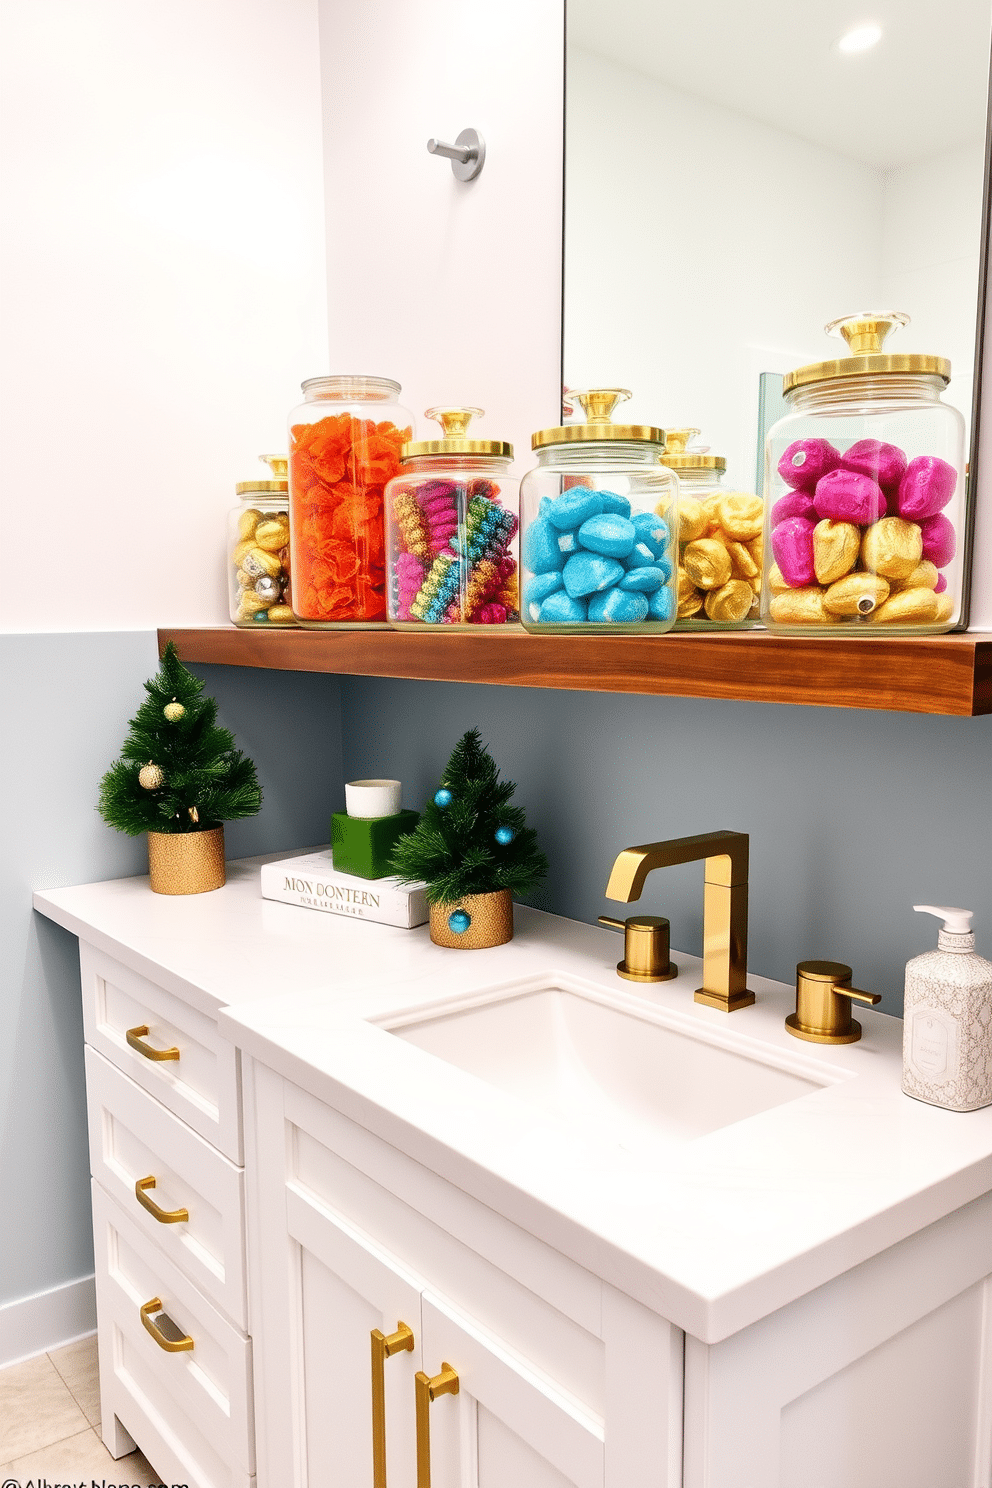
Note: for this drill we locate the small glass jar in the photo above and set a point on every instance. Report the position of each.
(720, 541)
(598, 514)
(865, 493)
(451, 530)
(258, 549)
(344, 448)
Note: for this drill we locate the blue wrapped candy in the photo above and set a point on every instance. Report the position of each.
(537, 590)
(561, 609)
(644, 580)
(540, 550)
(568, 543)
(574, 507)
(610, 535)
(618, 505)
(618, 607)
(642, 557)
(653, 531)
(661, 605)
(586, 573)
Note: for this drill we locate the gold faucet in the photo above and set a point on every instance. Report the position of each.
(724, 905)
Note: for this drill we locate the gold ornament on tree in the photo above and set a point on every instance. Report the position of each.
(151, 777)
(174, 711)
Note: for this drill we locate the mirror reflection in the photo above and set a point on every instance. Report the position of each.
(738, 176)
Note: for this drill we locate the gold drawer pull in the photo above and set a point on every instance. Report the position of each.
(382, 1349)
(164, 1216)
(136, 1038)
(445, 1383)
(171, 1345)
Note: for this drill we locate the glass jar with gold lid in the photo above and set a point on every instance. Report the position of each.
(258, 549)
(720, 541)
(865, 492)
(597, 515)
(451, 529)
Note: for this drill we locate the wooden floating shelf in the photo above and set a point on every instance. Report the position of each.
(932, 674)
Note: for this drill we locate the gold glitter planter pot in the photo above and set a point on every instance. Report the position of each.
(489, 916)
(186, 862)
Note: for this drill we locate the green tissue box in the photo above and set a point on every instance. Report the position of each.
(364, 845)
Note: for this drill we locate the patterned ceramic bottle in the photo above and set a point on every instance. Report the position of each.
(947, 1032)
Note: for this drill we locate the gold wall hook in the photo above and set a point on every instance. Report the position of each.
(823, 1003)
(725, 855)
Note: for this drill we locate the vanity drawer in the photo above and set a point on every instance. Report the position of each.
(197, 1403)
(200, 1084)
(133, 1137)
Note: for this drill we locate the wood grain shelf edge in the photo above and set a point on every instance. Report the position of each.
(949, 674)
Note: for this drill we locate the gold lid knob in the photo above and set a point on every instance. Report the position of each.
(454, 421)
(597, 403)
(278, 464)
(677, 439)
(865, 332)
(276, 484)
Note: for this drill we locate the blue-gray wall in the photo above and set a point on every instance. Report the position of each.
(67, 701)
(853, 816)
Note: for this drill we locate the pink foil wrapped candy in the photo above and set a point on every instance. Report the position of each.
(792, 545)
(807, 461)
(941, 584)
(884, 463)
(926, 488)
(939, 541)
(793, 504)
(845, 496)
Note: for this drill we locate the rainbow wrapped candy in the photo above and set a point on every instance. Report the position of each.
(452, 559)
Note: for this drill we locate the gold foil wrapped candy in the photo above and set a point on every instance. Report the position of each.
(800, 607)
(272, 534)
(743, 564)
(731, 602)
(707, 563)
(693, 519)
(856, 594)
(835, 549)
(924, 576)
(908, 607)
(892, 548)
(740, 514)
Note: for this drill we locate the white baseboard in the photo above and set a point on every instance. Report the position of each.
(34, 1325)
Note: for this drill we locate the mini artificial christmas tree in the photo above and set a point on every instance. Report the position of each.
(179, 779)
(473, 850)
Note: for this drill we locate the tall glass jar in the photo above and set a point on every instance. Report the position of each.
(344, 448)
(720, 541)
(451, 530)
(865, 490)
(598, 514)
(258, 549)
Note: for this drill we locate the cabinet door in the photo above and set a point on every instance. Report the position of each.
(346, 1287)
(508, 1424)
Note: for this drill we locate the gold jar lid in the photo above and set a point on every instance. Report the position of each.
(279, 465)
(864, 334)
(597, 404)
(677, 457)
(454, 422)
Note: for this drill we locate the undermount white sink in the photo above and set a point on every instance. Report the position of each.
(622, 1074)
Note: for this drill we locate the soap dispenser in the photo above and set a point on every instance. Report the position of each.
(947, 1032)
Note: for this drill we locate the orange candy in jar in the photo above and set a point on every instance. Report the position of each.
(344, 446)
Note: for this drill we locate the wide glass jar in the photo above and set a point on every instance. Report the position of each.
(598, 514)
(344, 448)
(720, 541)
(258, 549)
(865, 490)
(451, 530)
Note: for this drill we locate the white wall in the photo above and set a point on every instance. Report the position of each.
(163, 271)
(702, 247)
(452, 288)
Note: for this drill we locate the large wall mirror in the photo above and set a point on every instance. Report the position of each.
(739, 175)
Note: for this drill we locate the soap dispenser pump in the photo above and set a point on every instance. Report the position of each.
(947, 1030)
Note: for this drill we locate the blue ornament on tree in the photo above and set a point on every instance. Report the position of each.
(459, 921)
(443, 797)
(505, 835)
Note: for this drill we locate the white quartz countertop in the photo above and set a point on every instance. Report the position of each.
(713, 1233)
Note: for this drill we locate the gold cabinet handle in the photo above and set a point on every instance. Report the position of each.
(445, 1383)
(136, 1038)
(171, 1345)
(164, 1216)
(382, 1349)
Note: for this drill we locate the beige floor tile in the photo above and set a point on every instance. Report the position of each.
(79, 1365)
(36, 1408)
(81, 1458)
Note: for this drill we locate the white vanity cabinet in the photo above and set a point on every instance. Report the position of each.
(164, 1116)
(351, 1236)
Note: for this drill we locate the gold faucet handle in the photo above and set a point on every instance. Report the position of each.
(823, 1003)
(645, 948)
